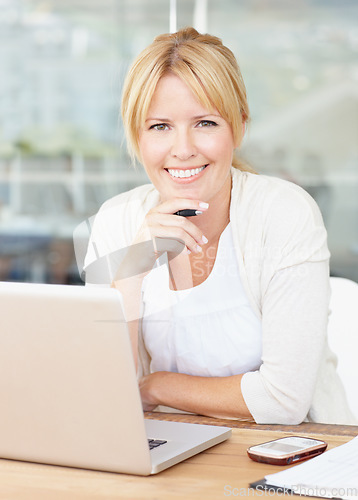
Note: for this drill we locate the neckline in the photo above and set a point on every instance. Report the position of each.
(204, 283)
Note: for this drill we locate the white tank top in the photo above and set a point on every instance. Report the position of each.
(208, 330)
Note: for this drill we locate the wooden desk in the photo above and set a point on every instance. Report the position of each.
(223, 471)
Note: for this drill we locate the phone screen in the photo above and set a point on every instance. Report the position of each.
(283, 447)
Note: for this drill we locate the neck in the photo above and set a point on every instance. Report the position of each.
(213, 221)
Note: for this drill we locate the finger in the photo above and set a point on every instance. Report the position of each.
(170, 227)
(164, 234)
(181, 223)
(171, 245)
(176, 204)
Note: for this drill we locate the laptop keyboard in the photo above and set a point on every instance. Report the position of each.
(154, 443)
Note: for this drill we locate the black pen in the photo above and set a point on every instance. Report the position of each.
(188, 212)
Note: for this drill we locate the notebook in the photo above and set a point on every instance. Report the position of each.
(68, 387)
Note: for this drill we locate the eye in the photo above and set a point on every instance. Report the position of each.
(159, 127)
(207, 123)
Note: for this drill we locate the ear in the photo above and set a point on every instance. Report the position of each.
(243, 130)
(243, 127)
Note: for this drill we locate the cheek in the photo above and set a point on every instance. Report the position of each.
(219, 146)
(152, 151)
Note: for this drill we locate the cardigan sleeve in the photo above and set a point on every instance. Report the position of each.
(294, 300)
(293, 323)
(112, 232)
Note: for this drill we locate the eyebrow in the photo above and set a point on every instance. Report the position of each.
(199, 117)
(157, 119)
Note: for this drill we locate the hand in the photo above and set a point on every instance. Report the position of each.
(161, 224)
(147, 388)
(161, 232)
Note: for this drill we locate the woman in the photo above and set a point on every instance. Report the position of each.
(234, 324)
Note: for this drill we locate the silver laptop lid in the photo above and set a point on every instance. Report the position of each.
(68, 386)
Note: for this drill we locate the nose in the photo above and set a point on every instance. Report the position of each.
(183, 146)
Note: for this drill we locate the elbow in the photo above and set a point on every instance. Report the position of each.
(274, 403)
(283, 417)
(287, 411)
(292, 416)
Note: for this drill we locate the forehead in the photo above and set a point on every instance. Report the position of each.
(172, 93)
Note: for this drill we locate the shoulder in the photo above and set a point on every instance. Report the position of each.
(145, 195)
(266, 195)
(267, 187)
(129, 207)
(120, 217)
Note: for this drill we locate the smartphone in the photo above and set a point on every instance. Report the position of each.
(286, 450)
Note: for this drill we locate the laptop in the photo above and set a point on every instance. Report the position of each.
(68, 388)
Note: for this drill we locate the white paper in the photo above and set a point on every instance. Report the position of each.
(334, 474)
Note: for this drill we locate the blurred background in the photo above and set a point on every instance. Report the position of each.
(62, 151)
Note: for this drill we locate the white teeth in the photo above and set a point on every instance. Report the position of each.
(185, 173)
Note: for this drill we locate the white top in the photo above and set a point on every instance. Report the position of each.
(281, 250)
(209, 330)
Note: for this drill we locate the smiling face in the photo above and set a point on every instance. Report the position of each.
(186, 149)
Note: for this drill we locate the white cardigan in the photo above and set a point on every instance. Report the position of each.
(281, 248)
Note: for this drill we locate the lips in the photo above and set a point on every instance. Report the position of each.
(185, 174)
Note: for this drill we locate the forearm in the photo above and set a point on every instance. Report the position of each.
(130, 289)
(212, 396)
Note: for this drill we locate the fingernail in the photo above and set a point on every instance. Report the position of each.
(202, 204)
(204, 239)
(198, 212)
(188, 251)
(198, 248)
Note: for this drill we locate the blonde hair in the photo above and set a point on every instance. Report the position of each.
(203, 63)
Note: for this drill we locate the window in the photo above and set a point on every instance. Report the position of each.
(61, 146)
